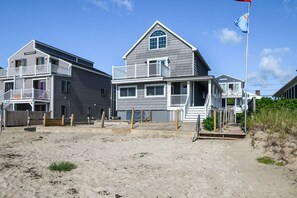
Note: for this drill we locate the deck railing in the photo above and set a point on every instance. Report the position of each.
(25, 94)
(178, 100)
(35, 70)
(139, 71)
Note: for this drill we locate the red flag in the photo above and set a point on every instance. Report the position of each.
(244, 0)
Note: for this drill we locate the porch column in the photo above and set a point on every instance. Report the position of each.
(168, 94)
(193, 93)
(189, 91)
(209, 91)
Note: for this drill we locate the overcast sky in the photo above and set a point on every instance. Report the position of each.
(103, 30)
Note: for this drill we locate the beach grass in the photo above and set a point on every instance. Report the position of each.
(269, 161)
(62, 166)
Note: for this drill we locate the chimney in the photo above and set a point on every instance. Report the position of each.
(257, 92)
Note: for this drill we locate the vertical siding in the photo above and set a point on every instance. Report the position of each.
(142, 103)
(199, 68)
(179, 54)
(84, 92)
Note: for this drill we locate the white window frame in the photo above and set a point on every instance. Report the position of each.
(156, 59)
(154, 96)
(127, 97)
(149, 40)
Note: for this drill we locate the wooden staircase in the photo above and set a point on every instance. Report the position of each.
(193, 112)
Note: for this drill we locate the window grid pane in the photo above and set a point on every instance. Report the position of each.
(162, 42)
(153, 43)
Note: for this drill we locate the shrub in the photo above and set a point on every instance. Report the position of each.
(208, 124)
(62, 166)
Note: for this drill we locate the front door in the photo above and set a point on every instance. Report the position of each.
(8, 86)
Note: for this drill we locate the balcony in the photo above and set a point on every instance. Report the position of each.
(35, 70)
(232, 93)
(25, 94)
(139, 71)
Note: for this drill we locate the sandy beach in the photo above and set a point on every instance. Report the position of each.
(114, 165)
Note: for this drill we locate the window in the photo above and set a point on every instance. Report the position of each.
(103, 92)
(157, 67)
(223, 85)
(21, 62)
(54, 61)
(39, 60)
(65, 85)
(154, 91)
(158, 40)
(128, 92)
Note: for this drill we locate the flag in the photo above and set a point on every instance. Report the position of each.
(244, 1)
(242, 23)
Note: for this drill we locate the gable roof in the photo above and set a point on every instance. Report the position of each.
(228, 76)
(194, 49)
(166, 28)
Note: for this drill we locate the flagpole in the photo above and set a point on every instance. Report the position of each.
(246, 68)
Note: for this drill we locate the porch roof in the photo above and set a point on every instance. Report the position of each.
(195, 79)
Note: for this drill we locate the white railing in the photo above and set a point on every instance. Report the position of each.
(25, 94)
(35, 70)
(178, 100)
(186, 107)
(139, 71)
(207, 105)
(232, 93)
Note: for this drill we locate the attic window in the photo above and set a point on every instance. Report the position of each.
(158, 40)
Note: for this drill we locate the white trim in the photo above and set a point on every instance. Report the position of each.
(52, 101)
(167, 29)
(229, 77)
(149, 40)
(127, 97)
(139, 80)
(32, 41)
(156, 59)
(154, 96)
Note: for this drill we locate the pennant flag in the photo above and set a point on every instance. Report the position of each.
(244, 1)
(242, 23)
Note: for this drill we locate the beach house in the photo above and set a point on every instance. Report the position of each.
(40, 77)
(164, 73)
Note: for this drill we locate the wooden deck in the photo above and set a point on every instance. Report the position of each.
(229, 132)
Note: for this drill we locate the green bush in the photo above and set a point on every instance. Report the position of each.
(62, 166)
(269, 161)
(208, 124)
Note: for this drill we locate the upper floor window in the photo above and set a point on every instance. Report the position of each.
(21, 62)
(65, 85)
(54, 61)
(39, 60)
(128, 92)
(158, 40)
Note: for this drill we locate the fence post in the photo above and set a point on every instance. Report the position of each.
(102, 119)
(214, 120)
(1, 124)
(176, 119)
(151, 119)
(28, 118)
(132, 119)
(44, 119)
(141, 111)
(221, 128)
(63, 120)
(71, 120)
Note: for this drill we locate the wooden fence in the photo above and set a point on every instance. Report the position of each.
(23, 118)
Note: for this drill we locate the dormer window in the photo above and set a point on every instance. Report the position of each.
(158, 40)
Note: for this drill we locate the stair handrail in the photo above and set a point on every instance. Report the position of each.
(207, 104)
(186, 106)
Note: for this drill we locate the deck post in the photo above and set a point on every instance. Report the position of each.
(176, 119)
(141, 114)
(102, 119)
(71, 120)
(214, 120)
(63, 120)
(132, 119)
(44, 119)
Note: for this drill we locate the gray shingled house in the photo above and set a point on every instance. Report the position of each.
(163, 73)
(232, 96)
(40, 77)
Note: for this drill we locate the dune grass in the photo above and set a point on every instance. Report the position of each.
(269, 161)
(62, 166)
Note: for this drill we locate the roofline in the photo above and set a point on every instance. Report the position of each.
(57, 49)
(21, 49)
(230, 76)
(285, 87)
(166, 28)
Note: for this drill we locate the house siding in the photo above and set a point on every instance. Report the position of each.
(141, 103)
(31, 58)
(84, 92)
(199, 68)
(179, 54)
